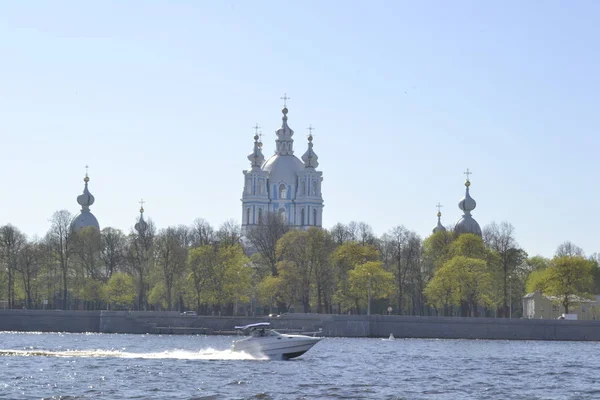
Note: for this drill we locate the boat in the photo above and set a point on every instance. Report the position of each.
(262, 341)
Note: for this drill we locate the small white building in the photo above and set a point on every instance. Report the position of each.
(540, 306)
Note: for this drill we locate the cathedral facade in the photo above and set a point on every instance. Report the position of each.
(283, 184)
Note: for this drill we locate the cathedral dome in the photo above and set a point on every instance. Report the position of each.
(84, 219)
(283, 168)
(467, 224)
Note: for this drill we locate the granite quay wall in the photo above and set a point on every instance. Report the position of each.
(323, 324)
(49, 321)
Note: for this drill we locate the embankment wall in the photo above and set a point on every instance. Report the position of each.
(328, 325)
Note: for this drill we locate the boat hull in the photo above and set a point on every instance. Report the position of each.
(284, 347)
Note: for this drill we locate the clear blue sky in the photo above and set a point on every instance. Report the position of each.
(159, 99)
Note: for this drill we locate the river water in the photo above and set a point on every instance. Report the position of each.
(93, 366)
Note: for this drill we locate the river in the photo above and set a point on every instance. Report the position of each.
(111, 366)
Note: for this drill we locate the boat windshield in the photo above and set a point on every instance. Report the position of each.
(263, 332)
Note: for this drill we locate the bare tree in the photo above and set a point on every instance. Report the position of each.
(11, 243)
(140, 255)
(339, 233)
(112, 253)
(264, 238)
(501, 239)
(401, 250)
(202, 233)
(59, 237)
(229, 233)
(171, 254)
(29, 265)
(569, 249)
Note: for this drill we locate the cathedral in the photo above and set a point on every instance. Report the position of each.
(283, 184)
(467, 223)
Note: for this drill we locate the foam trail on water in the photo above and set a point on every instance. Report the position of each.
(203, 354)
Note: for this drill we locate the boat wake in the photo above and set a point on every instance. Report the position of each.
(203, 354)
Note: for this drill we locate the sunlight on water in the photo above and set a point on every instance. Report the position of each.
(203, 354)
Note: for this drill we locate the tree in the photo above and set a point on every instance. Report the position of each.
(467, 280)
(12, 242)
(202, 233)
(500, 238)
(344, 258)
(568, 278)
(436, 251)
(30, 262)
(370, 281)
(86, 246)
(440, 291)
(569, 249)
(264, 238)
(59, 238)
(120, 290)
(171, 258)
(140, 257)
(229, 233)
(113, 251)
(292, 250)
(401, 250)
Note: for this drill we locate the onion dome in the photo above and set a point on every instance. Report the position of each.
(283, 166)
(284, 143)
(439, 227)
(467, 223)
(256, 157)
(141, 225)
(85, 218)
(310, 158)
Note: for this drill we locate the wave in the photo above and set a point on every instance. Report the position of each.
(202, 354)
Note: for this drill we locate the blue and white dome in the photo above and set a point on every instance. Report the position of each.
(85, 218)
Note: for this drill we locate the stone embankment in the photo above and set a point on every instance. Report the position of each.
(321, 324)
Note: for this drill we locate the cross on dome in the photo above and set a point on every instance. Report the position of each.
(468, 173)
(142, 206)
(310, 129)
(256, 128)
(285, 98)
(439, 206)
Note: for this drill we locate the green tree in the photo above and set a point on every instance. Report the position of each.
(344, 258)
(467, 281)
(120, 290)
(370, 281)
(568, 278)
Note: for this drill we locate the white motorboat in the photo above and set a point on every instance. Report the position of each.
(266, 342)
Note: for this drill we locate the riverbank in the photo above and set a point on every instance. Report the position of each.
(325, 324)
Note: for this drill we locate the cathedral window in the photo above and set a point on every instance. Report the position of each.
(282, 191)
(302, 217)
(260, 216)
(314, 217)
(247, 216)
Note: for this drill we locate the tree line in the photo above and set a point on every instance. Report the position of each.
(274, 268)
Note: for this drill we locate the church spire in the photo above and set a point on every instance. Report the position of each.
(284, 144)
(141, 225)
(86, 199)
(85, 218)
(256, 157)
(439, 227)
(310, 158)
(467, 223)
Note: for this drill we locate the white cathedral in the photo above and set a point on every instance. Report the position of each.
(283, 184)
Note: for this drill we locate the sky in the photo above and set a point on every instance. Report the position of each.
(159, 99)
